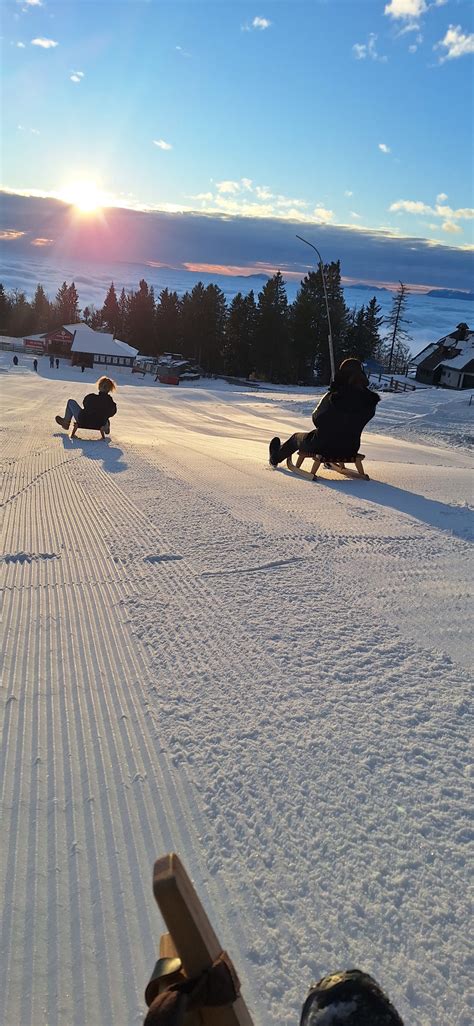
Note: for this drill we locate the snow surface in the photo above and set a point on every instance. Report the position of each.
(267, 675)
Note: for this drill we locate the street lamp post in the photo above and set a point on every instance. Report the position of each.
(321, 268)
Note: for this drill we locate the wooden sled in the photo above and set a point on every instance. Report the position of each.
(333, 464)
(191, 945)
(75, 427)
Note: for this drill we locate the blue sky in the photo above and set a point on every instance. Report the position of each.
(320, 111)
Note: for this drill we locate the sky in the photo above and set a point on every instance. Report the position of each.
(355, 117)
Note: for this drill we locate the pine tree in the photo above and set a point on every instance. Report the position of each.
(141, 319)
(204, 313)
(110, 310)
(272, 337)
(21, 320)
(123, 310)
(307, 326)
(397, 336)
(373, 321)
(67, 304)
(168, 322)
(5, 311)
(239, 347)
(41, 310)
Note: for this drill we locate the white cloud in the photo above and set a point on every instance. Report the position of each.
(384, 148)
(456, 43)
(30, 3)
(203, 196)
(162, 145)
(439, 210)
(263, 192)
(405, 8)
(247, 183)
(45, 44)
(323, 215)
(441, 197)
(348, 192)
(21, 46)
(261, 23)
(451, 227)
(363, 50)
(413, 48)
(228, 186)
(411, 207)
(354, 214)
(76, 76)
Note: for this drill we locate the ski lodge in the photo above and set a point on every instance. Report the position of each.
(449, 362)
(84, 346)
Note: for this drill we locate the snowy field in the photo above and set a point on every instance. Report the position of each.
(266, 675)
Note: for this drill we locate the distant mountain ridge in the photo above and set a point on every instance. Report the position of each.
(450, 294)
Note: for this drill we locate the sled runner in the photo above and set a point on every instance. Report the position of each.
(332, 464)
(76, 426)
(194, 980)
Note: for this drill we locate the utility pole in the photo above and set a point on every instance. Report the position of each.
(321, 268)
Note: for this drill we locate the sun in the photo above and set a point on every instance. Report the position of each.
(85, 195)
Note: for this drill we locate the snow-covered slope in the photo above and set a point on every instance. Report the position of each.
(266, 675)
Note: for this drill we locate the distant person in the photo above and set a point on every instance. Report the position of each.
(82, 368)
(51, 362)
(339, 419)
(15, 361)
(57, 364)
(35, 365)
(98, 408)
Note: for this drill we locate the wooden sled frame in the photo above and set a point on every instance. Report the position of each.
(331, 464)
(191, 944)
(75, 427)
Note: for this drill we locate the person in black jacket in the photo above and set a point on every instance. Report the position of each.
(339, 419)
(99, 407)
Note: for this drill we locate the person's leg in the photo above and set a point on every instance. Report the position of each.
(72, 410)
(290, 446)
(107, 427)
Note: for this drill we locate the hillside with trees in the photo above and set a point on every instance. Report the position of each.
(262, 335)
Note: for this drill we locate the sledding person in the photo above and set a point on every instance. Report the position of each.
(339, 419)
(99, 407)
(35, 366)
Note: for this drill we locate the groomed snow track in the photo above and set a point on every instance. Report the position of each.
(163, 691)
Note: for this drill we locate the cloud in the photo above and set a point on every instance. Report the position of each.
(411, 207)
(184, 53)
(456, 44)
(439, 210)
(384, 148)
(76, 76)
(348, 192)
(45, 44)
(441, 197)
(22, 128)
(21, 46)
(451, 227)
(353, 214)
(261, 23)
(41, 243)
(323, 215)
(410, 9)
(228, 186)
(176, 239)
(10, 235)
(162, 145)
(363, 50)
(30, 3)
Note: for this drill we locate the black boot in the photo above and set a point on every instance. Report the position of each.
(274, 448)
